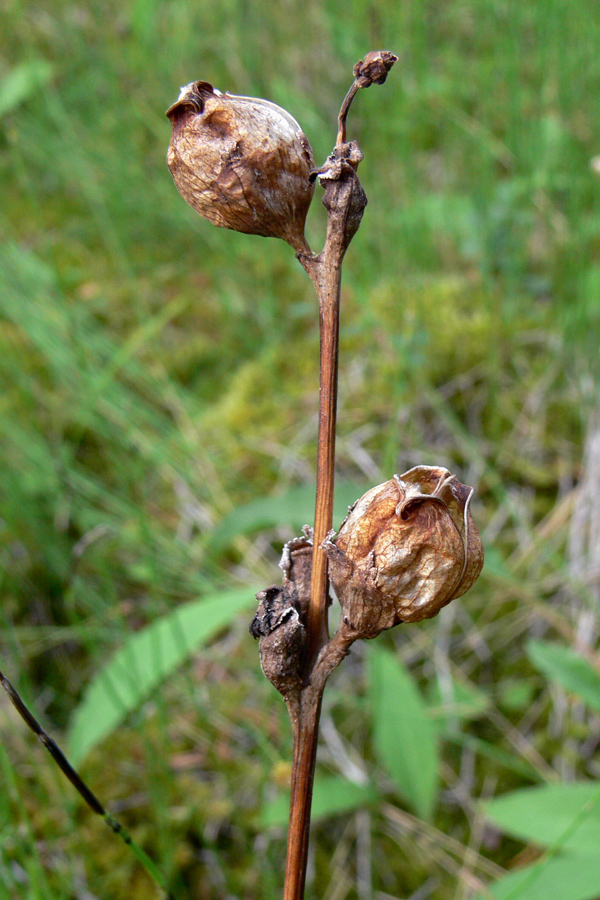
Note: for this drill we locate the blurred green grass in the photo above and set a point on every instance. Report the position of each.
(159, 373)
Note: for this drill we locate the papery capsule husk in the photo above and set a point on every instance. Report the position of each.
(406, 549)
(241, 162)
(282, 637)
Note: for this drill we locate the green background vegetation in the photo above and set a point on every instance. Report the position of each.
(158, 405)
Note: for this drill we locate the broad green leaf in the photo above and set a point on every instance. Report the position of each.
(22, 82)
(332, 795)
(146, 659)
(295, 508)
(405, 738)
(564, 665)
(562, 878)
(564, 816)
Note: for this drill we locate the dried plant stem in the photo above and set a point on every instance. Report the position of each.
(302, 683)
(326, 276)
(305, 711)
(345, 202)
(306, 729)
(328, 288)
(341, 138)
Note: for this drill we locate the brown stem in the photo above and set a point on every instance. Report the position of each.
(341, 138)
(345, 201)
(306, 710)
(327, 282)
(306, 731)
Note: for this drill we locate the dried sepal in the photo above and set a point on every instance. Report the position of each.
(296, 565)
(242, 163)
(406, 549)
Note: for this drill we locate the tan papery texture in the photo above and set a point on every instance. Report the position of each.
(406, 549)
(242, 163)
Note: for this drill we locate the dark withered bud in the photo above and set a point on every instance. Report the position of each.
(406, 549)
(282, 637)
(241, 163)
(374, 68)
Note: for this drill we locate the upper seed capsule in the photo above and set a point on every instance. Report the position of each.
(242, 163)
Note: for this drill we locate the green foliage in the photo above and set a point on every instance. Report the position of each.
(158, 412)
(566, 667)
(22, 82)
(332, 796)
(565, 818)
(143, 663)
(556, 815)
(404, 737)
(556, 879)
(455, 701)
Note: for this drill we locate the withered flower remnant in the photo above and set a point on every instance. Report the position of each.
(374, 68)
(242, 163)
(282, 635)
(406, 549)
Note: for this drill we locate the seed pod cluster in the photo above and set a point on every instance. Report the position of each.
(406, 549)
(242, 163)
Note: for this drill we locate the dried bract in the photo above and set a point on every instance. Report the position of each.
(296, 564)
(406, 549)
(241, 163)
(374, 68)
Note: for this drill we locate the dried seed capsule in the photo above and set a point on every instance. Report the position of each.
(406, 549)
(282, 637)
(242, 163)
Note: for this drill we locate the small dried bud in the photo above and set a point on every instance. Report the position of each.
(241, 163)
(406, 549)
(282, 636)
(374, 68)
